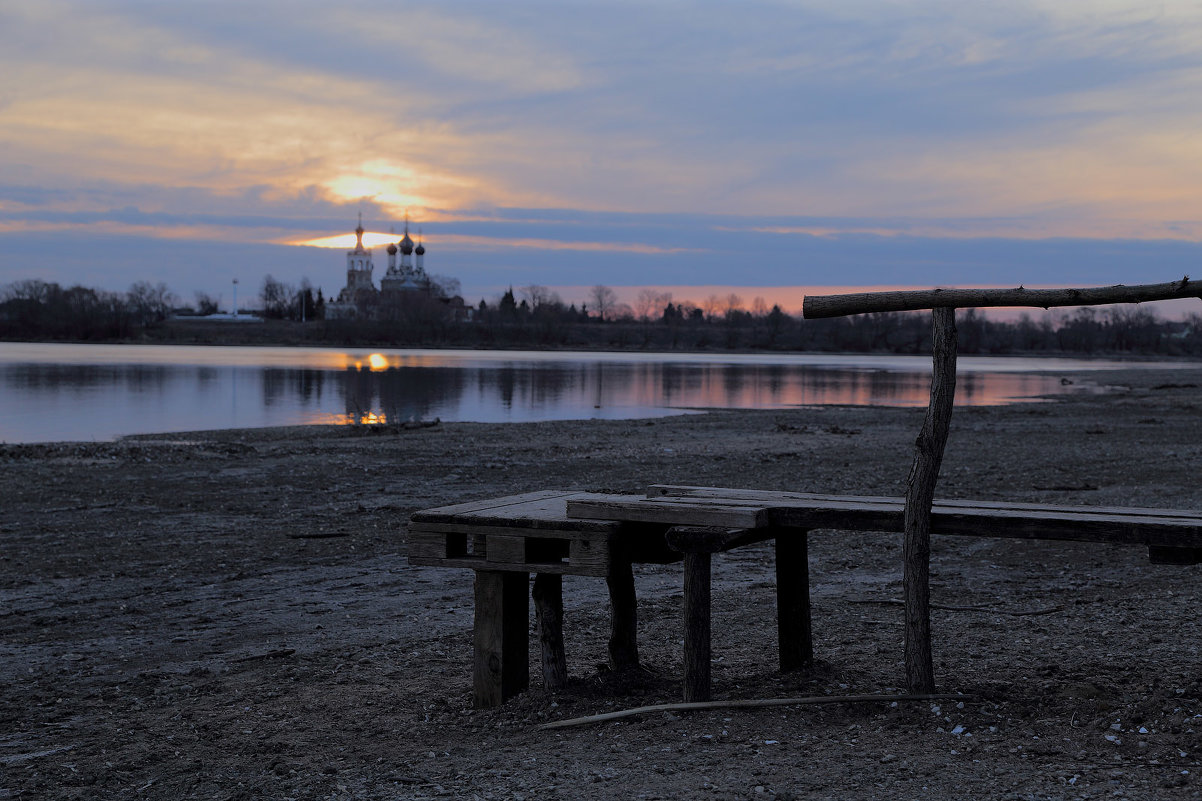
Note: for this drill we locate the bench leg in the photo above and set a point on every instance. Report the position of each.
(502, 646)
(548, 607)
(696, 627)
(623, 637)
(793, 601)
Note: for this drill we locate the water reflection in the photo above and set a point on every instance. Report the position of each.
(75, 392)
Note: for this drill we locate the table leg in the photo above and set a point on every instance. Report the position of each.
(548, 607)
(502, 646)
(623, 638)
(696, 627)
(793, 600)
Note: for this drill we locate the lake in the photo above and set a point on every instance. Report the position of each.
(58, 392)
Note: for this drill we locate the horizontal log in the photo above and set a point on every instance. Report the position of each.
(817, 306)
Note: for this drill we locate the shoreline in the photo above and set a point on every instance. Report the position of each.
(1126, 356)
(222, 612)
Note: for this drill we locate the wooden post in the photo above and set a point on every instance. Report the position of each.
(624, 620)
(696, 627)
(548, 607)
(793, 632)
(502, 646)
(920, 493)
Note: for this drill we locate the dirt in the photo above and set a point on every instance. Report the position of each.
(230, 615)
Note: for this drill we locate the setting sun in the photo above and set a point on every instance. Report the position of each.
(383, 182)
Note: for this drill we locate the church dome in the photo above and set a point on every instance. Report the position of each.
(391, 249)
(406, 245)
(420, 249)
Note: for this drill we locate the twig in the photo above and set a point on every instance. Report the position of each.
(948, 608)
(746, 704)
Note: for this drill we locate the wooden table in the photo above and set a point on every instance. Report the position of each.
(504, 540)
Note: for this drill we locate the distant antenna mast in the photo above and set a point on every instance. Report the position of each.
(235, 297)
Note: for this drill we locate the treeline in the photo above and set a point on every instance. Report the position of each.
(35, 309)
(656, 322)
(534, 317)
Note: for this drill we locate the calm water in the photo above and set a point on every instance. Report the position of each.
(51, 392)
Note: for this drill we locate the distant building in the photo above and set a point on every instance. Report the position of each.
(360, 295)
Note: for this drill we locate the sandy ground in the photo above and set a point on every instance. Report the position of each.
(231, 615)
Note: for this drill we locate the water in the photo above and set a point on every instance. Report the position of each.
(52, 392)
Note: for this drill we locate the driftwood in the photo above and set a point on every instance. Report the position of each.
(920, 494)
(751, 703)
(816, 306)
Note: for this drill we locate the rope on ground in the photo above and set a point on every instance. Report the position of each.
(751, 703)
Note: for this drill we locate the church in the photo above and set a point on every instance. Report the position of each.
(406, 275)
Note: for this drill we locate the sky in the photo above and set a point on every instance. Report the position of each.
(763, 148)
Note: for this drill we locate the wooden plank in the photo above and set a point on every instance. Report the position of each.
(548, 606)
(697, 627)
(793, 627)
(641, 510)
(424, 545)
(1062, 523)
(505, 549)
(535, 510)
(707, 539)
(501, 641)
(589, 557)
(487, 504)
(519, 529)
(781, 498)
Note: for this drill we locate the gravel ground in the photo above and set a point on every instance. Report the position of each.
(231, 615)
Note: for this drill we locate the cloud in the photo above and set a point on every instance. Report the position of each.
(927, 142)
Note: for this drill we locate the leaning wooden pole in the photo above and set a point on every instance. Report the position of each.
(920, 493)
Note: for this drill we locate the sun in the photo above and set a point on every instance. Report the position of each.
(389, 184)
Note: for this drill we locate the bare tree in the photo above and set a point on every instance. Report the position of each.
(649, 304)
(712, 306)
(150, 303)
(277, 296)
(731, 302)
(206, 304)
(759, 306)
(28, 289)
(604, 299)
(535, 294)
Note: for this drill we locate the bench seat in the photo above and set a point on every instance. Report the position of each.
(1171, 535)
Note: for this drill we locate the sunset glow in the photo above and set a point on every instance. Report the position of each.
(371, 239)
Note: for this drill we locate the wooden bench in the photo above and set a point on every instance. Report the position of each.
(556, 533)
(504, 540)
(1171, 536)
